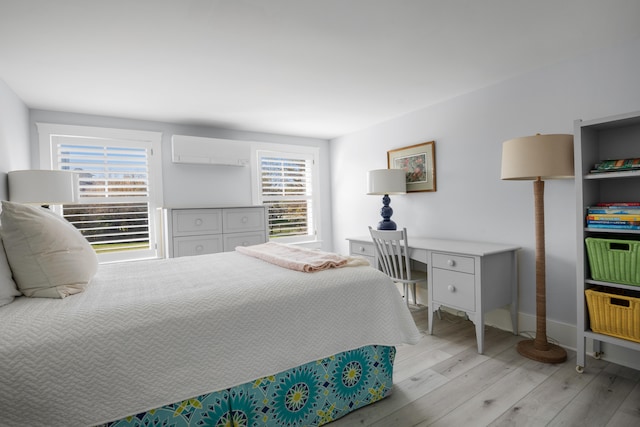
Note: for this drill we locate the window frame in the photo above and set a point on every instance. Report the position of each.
(147, 139)
(275, 150)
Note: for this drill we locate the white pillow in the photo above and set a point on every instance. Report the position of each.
(48, 256)
(8, 288)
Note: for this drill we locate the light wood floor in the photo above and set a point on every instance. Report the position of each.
(443, 381)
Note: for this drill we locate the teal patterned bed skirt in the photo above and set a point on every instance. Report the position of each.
(309, 395)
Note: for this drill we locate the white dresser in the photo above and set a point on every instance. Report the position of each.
(206, 230)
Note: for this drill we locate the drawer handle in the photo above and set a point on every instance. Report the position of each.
(199, 248)
(451, 288)
(245, 243)
(198, 222)
(451, 263)
(361, 248)
(245, 219)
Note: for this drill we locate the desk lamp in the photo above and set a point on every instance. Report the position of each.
(385, 182)
(538, 158)
(43, 187)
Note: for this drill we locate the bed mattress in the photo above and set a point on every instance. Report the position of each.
(149, 333)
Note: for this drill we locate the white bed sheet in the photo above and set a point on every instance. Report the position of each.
(150, 333)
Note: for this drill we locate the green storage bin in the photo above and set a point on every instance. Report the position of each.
(614, 260)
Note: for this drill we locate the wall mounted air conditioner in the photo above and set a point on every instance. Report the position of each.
(209, 151)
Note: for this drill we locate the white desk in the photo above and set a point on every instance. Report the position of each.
(474, 277)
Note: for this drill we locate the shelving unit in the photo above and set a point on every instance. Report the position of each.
(615, 137)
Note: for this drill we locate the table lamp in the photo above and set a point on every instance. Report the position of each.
(538, 158)
(43, 187)
(385, 182)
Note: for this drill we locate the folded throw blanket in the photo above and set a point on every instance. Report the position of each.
(300, 259)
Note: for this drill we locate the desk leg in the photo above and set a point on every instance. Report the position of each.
(479, 318)
(514, 292)
(431, 309)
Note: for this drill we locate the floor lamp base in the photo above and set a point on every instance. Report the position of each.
(554, 354)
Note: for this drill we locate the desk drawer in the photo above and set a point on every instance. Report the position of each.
(362, 248)
(453, 262)
(243, 219)
(197, 245)
(187, 222)
(454, 289)
(242, 239)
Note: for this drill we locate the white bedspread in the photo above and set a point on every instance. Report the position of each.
(150, 333)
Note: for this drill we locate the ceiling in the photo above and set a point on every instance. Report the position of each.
(316, 68)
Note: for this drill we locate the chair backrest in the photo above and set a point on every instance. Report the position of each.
(392, 253)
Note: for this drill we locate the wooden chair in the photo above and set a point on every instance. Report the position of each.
(391, 257)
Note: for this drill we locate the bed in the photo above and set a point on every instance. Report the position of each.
(204, 340)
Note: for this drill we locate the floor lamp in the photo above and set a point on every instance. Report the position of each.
(538, 158)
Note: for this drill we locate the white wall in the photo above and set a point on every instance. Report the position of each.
(199, 185)
(14, 136)
(471, 201)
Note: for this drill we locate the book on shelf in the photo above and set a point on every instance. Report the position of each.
(616, 165)
(624, 210)
(613, 211)
(620, 204)
(613, 217)
(596, 221)
(613, 226)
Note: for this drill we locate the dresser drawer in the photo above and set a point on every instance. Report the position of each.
(243, 220)
(242, 239)
(454, 289)
(453, 262)
(188, 222)
(363, 249)
(197, 245)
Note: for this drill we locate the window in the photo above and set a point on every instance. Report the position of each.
(120, 185)
(287, 186)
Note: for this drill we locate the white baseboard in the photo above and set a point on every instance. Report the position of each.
(562, 334)
(559, 333)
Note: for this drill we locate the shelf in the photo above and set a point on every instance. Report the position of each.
(610, 175)
(615, 137)
(611, 230)
(613, 340)
(613, 285)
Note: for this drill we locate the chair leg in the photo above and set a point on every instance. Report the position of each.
(415, 296)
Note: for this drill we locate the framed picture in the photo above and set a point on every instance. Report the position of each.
(419, 164)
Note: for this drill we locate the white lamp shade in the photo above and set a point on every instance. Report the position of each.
(43, 186)
(538, 156)
(386, 181)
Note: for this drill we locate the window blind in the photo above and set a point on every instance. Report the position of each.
(114, 209)
(287, 192)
